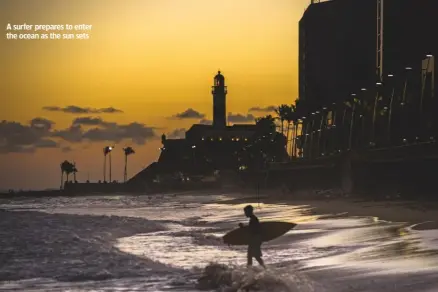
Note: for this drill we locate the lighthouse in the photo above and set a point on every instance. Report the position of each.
(219, 91)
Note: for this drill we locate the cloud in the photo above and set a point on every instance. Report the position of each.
(46, 143)
(138, 133)
(266, 109)
(189, 114)
(17, 137)
(205, 122)
(105, 131)
(66, 149)
(72, 134)
(73, 109)
(239, 118)
(177, 134)
(90, 121)
(39, 133)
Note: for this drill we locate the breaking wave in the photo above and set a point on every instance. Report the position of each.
(226, 278)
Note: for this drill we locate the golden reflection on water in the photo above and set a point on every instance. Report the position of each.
(318, 240)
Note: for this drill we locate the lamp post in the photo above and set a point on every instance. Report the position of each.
(376, 99)
(353, 111)
(391, 99)
(110, 148)
(194, 157)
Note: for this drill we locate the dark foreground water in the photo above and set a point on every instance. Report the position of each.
(173, 243)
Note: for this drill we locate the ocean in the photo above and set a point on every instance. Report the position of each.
(172, 242)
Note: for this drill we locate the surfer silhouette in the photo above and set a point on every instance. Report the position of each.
(254, 247)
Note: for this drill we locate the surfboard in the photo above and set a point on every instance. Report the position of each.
(269, 231)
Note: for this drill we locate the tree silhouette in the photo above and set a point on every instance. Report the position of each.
(106, 150)
(64, 166)
(67, 168)
(282, 112)
(128, 151)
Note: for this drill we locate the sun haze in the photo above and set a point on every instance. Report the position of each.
(146, 63)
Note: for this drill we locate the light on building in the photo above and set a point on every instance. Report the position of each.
(408, 68)
(203, 139)
(390, 75)
(378, 83)
(363, 89)
(429, 55)
(194, 146)
(220, 138)
(237, 139)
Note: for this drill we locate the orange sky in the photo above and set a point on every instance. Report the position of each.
(151, 59)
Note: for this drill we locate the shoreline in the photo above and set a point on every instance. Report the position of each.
(422, 214)
(419, 214)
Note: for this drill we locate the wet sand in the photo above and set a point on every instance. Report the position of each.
(424, 215)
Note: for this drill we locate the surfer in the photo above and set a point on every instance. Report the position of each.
(254, 247)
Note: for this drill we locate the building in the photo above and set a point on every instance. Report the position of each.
(346, 45)
(370, 65)
(214, 147)
(219, 91)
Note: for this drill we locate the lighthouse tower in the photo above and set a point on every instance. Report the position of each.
(219, 91)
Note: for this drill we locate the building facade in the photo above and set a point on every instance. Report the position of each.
(341, 42)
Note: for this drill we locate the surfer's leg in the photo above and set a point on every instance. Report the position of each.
(257, 253)
(260, 261)
(249, 256)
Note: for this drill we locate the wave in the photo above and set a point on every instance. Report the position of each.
(224, 278)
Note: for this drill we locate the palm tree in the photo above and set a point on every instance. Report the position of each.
(75, 170)
(64, 166)
(128, 151)
(266, 125)
(291, 117)
(106, 150)
(70, 168)
(298, 114)
(282, 112)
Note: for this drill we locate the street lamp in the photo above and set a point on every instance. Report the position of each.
(194, 154)
(110, 148)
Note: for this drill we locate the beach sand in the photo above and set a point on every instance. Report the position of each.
(422, 215)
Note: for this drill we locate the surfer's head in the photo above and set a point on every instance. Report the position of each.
(248, 210)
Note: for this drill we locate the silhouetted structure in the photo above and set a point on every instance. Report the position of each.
(219, 91)
(207, 148)
(339, 43)
(366, 74)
